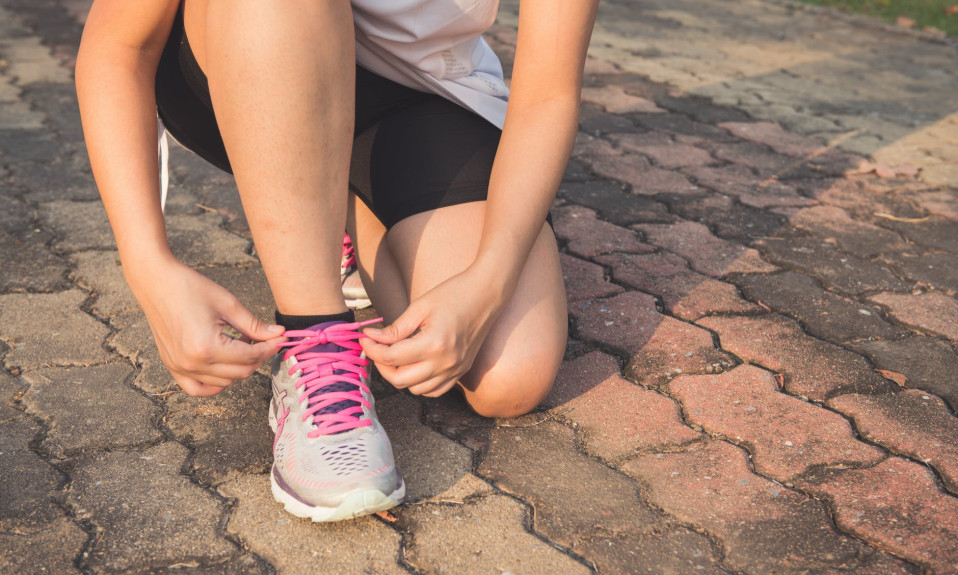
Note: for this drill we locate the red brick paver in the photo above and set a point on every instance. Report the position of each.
(785, 435)
(896, 505)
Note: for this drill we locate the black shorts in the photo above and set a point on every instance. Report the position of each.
(412, 151)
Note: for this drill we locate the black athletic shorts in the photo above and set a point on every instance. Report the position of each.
(412, 151)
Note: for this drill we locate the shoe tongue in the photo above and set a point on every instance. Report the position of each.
(331, 347)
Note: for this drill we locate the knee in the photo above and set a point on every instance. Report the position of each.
(510, 392)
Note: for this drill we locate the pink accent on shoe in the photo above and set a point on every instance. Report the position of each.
(349, 253)
(323, 369)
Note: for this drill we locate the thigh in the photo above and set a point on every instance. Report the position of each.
(521, 355)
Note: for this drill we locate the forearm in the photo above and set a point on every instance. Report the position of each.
(533, 152)
(115, 88)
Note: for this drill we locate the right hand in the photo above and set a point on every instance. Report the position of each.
(187, 313)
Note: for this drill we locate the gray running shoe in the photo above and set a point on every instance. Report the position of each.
(331, 457)
(353, 290)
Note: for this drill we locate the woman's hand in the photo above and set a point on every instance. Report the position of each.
(187, 313)
(435, 341)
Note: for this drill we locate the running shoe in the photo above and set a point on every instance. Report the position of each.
(353, 290)
(331, 457)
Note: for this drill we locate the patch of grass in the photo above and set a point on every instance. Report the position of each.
(939, 14)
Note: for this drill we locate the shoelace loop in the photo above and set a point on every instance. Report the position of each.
(331, 369)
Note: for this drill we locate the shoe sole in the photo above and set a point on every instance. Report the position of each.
(358, 303)
(357, 504)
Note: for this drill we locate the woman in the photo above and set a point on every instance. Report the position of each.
(380, 117)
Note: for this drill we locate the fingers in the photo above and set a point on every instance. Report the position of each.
(195, 388)
(248, 324)
(405, 326)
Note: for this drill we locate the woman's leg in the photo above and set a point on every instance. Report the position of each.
(282, 82)
(520, 357)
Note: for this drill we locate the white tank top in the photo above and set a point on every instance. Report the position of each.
(434, 46)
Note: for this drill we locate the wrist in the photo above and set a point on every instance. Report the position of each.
(142, 267)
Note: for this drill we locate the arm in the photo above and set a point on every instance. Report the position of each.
(116, 66)
(435, 341)
(541, 123)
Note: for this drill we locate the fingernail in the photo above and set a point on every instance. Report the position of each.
(275, 329)
(373, 331)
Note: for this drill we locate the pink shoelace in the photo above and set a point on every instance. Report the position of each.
(331, 377)
(349, 252)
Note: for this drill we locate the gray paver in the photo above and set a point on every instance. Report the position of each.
(50, 329)
(90, 408)
(27, 483)
(485, 535)
(146, 512)
(229, 432)
(52, 549)
(298, 546)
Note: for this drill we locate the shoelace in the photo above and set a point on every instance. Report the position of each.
(331, 377)
(349, 253)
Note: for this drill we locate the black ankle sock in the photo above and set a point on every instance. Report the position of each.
(295, 322)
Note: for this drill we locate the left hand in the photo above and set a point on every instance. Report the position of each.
(435, 341)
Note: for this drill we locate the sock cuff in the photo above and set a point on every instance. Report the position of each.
(296, 322)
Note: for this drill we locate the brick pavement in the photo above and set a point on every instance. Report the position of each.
(758, 231)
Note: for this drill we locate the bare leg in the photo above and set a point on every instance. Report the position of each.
(520, 357)
(282, 81)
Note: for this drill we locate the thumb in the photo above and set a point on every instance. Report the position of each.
(249, 325)
(404, 326)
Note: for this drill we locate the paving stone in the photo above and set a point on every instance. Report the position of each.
(615, 418)
(836, 269)
(201, 241)
(246, 564)
(937, 372)
(64, 179)
(615, 100)
(100, 272)
(45, 329)
(729, 219)
(540, 465)
(705, 252)
(933, 270)
(643, 178)
(146, 513)
(228, 432)
(584, 280)
(859, 198)
(811, 367)
(295, 545)
(682, 125)
(593, 119)
(482, 536)
(134, 341)
(51, 549)
(249, 285)
(773, 136)
(27, 484)
(937, 233)
(702, 109)
(939, 202)
(675, 551)
(90, 408)
(431, 464)
(677, 155)
(633, 141)
(661, 347)
(751, 155)
(78, 225)
(858, 238)
(24, 144)
(685, 293)
(587, 237)
(450, 415)
(11, 390)
(932, 312)
(588, 148)
(615, 205)
(897, 506)
(763, 526)
(823, 314)
(26, 262)
(784, 435)
(913, 422)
